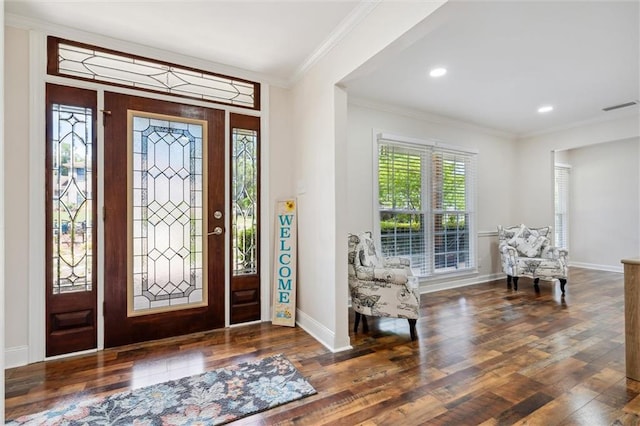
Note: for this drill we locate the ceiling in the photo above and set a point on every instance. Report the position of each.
(507, 59)
(272, 38)
(504, 59)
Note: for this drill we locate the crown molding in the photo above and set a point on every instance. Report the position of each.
(347, 25)
(428, 116)
(611, 116)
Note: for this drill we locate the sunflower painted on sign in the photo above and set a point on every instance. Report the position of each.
(289, 205)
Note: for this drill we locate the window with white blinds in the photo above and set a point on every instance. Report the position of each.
(561, 205)
(425, 204)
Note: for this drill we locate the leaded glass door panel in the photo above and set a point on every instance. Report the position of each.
(164, 179)
(167, 227)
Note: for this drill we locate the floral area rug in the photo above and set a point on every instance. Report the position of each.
(212, 398)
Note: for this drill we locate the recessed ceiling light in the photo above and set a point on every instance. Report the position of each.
(438, 72)
(546, 108)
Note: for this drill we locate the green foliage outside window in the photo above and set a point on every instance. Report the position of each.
(399, 179)
(246, 249)
(453, 185)
(400, 187)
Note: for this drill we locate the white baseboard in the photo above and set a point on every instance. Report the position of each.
(16, 356)
(318, 331)
(606, 268)
(446, 285)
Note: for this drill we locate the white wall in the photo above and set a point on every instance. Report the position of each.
(604, 204)
(280, 152)
(281, 184)
(314, 177)
(535, 170)
(535, 162)
(16, 193)
(319, 135)
(496, 166)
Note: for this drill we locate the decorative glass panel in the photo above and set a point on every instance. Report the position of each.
(93, 63)
(72, 224)
(167, 213)
(244, 221)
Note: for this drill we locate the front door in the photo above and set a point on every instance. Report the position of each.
(163, 219)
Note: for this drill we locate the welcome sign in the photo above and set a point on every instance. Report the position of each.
(284, 295)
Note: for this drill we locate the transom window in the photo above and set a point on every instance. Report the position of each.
(426, 199)
(92, 63)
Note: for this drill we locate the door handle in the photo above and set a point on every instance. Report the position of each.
(216, 231)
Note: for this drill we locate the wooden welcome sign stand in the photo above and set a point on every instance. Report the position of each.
(284, 292)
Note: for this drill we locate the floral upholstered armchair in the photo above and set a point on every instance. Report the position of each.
(381, 287)
(527, 252)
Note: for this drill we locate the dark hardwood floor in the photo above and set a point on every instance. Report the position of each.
(485, 355)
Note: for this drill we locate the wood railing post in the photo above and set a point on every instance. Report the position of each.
(632, 317)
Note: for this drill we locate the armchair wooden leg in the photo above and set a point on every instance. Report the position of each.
(563, 281)
(412, 328)
(365, 325)
(356, 323)
(508, 281)
(535, 284)
(515, 283)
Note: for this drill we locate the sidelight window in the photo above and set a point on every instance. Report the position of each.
(72, 198)
(244, 207)
(245, 217)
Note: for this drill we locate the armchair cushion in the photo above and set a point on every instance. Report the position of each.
(528, 242)
(367, 251)
(396, 262)
(391, 275)
(507, 234)
(530, 246)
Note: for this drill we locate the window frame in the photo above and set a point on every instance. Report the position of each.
(564, 193)
(429, 147)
